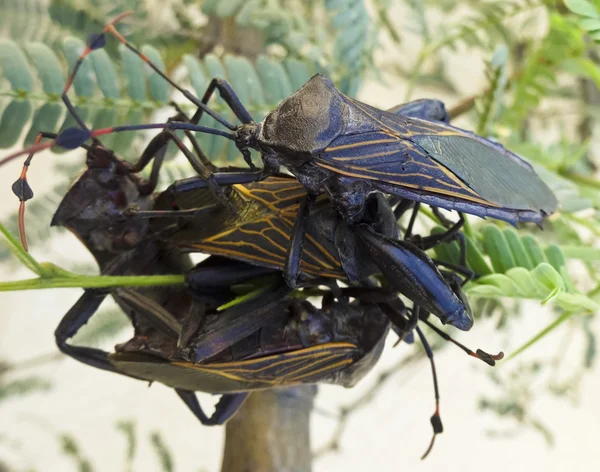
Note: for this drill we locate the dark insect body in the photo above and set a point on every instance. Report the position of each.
(338, 344)
(181, 339)
(114, 214)
(259, 229)
(349, 149)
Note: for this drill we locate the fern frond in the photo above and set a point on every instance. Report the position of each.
(335, 38)
(109, 93)
(562, 43)
(513, 265)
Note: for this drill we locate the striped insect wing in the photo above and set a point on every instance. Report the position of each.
(490, 170)
(259, 228)
(435, 163)
(180, 374)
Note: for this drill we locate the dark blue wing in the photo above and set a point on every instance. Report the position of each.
(435, 159)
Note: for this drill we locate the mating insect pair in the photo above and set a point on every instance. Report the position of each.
(181, 339)
(346, 149)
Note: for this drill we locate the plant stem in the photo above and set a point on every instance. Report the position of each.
(100, 281)
(271, 432)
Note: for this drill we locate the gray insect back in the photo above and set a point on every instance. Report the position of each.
(306, 122)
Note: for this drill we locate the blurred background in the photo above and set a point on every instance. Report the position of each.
(523, 72)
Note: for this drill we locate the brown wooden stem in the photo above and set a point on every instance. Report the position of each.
(271, 433)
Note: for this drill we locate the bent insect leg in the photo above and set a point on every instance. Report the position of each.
(409, 270)
(294, 255)
(228, 406)
(74, 319)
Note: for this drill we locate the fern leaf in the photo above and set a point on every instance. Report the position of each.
(520, 268)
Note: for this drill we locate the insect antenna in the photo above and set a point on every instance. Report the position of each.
(97, 41)
(21, 187)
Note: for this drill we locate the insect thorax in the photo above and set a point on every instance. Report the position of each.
(306, 122)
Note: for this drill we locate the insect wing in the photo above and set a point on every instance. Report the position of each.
(261, 231)
(295, 367)
(438, 159)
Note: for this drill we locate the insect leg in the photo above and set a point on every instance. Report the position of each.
(229, 96)
(489, 359)
(227, 407)
(195, 144)
(220, 178)
(76, 317)
(409, 270)
(402, 207)
(294, 256)
(452, 233)
(227, 273)
(240, 321)
(436, 421)
(151, 311)
(411, 223)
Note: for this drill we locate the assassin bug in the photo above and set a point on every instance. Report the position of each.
(174, 333)
(349, 149)
(338, 345)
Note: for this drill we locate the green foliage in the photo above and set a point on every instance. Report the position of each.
(70, 447)
(163, 452)
(591, 16)
(515, 265)
(335, 36)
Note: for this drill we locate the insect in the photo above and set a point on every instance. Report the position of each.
(331, 248)
(91, 209)
(349, 149)
(181, 339)
(259, 228)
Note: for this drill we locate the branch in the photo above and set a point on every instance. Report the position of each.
(271, 432)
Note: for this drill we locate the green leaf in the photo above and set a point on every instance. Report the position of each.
(274, 79)
(106, 75)
(583, 8)
(159, 88)
(84, 79)
(496, 246)
(44, 119)
(534, 251)
(133, 67)
(549, 277)
(555, 257)
(15, 67)
(14, 118)
(517, 249)
(47, 66)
